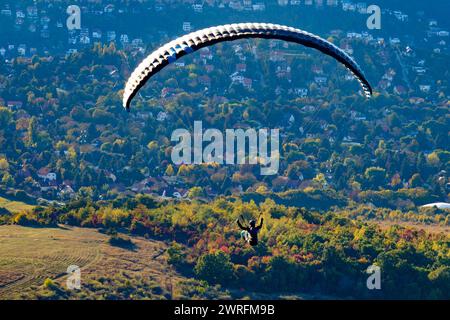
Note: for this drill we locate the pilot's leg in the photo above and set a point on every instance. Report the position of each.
(245, 235)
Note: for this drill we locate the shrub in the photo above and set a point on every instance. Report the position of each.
(177, 256)
(49, 284)
(118, 241)
(22, 219)
(214, 268)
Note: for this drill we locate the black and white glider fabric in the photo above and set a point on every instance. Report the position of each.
(179, 47)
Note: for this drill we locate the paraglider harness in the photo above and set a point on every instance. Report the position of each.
(250, 233)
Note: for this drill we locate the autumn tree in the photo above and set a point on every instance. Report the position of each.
(215, 268)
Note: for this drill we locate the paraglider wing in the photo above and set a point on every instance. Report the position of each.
(177, 48)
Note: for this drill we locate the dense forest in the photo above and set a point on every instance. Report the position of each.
(72, 124)
(63, 132)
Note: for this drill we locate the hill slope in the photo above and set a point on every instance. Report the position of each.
(14, 206)
(47, 252)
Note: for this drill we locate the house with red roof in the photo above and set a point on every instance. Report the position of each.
(46, 174)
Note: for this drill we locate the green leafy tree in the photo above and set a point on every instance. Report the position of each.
(4, 165)
(196, 192)
(32, 132)
(5, 116)
(415, 181)
(215, 268)
(375, 176)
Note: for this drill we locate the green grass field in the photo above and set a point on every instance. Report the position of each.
(14, 206)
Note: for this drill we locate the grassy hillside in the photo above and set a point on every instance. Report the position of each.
(28, 256)
(14, 206)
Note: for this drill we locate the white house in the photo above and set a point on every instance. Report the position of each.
(45, 174)
(162, 116)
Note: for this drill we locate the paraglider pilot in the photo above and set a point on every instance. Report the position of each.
(250, 233)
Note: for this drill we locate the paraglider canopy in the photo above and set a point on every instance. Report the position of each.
(179, 47)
